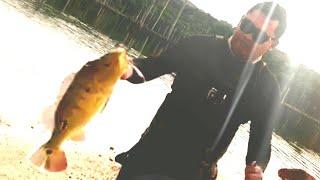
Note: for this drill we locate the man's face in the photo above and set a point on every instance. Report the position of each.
(251, 36)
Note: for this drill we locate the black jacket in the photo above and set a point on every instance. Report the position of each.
(198, 113)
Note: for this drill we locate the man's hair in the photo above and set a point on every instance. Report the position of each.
(279, 13)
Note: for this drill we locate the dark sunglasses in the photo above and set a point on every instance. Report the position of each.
(247, 27)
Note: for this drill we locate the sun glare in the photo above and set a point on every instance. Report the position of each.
(299, 40)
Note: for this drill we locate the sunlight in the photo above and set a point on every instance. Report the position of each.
(31, 74)
(300, 39)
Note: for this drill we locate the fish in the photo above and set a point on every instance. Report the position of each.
(87, 95)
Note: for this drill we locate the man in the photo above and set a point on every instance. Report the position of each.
(209, 101)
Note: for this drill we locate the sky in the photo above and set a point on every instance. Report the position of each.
(301, 37)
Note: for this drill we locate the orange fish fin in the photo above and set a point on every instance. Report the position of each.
(47, 115)
(56, 161)
(53, 159)
(39, 157)
(78, 136)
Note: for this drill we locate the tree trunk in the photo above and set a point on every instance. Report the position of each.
(66, 5)
(165, 6)
(176, 20)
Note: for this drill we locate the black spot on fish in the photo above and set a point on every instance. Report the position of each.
(49, 151)
(87, 90)
(107, 64)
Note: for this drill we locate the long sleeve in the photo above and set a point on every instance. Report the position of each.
(259, 147)
(222, 145)
(169, 61)
(264, 117)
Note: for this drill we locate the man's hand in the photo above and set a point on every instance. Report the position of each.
(253, 172)
(129, 72)
(208, 171)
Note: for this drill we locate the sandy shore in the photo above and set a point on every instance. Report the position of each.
(16, 146)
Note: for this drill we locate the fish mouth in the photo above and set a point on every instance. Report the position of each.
(118, 49)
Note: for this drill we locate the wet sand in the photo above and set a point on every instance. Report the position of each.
(82, 164)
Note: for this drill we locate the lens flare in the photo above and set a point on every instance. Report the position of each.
(243, 81)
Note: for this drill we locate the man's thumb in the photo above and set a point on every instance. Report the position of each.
(254, 163)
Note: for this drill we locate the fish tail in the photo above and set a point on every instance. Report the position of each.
(54, 160)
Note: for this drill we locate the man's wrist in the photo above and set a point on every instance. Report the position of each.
(127, 74)
(139, 73)
(135, 76)
(253, 171)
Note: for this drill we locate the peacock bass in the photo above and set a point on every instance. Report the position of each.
(87, 94)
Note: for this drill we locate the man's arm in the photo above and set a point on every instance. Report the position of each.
(174, 59)
(259, 146)
(145, 69)
(264, 116)
(259, 150)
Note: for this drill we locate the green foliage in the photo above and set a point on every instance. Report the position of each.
(302, 85)
(280, 65)
(192, 21)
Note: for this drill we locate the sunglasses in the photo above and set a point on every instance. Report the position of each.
(258, 36)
